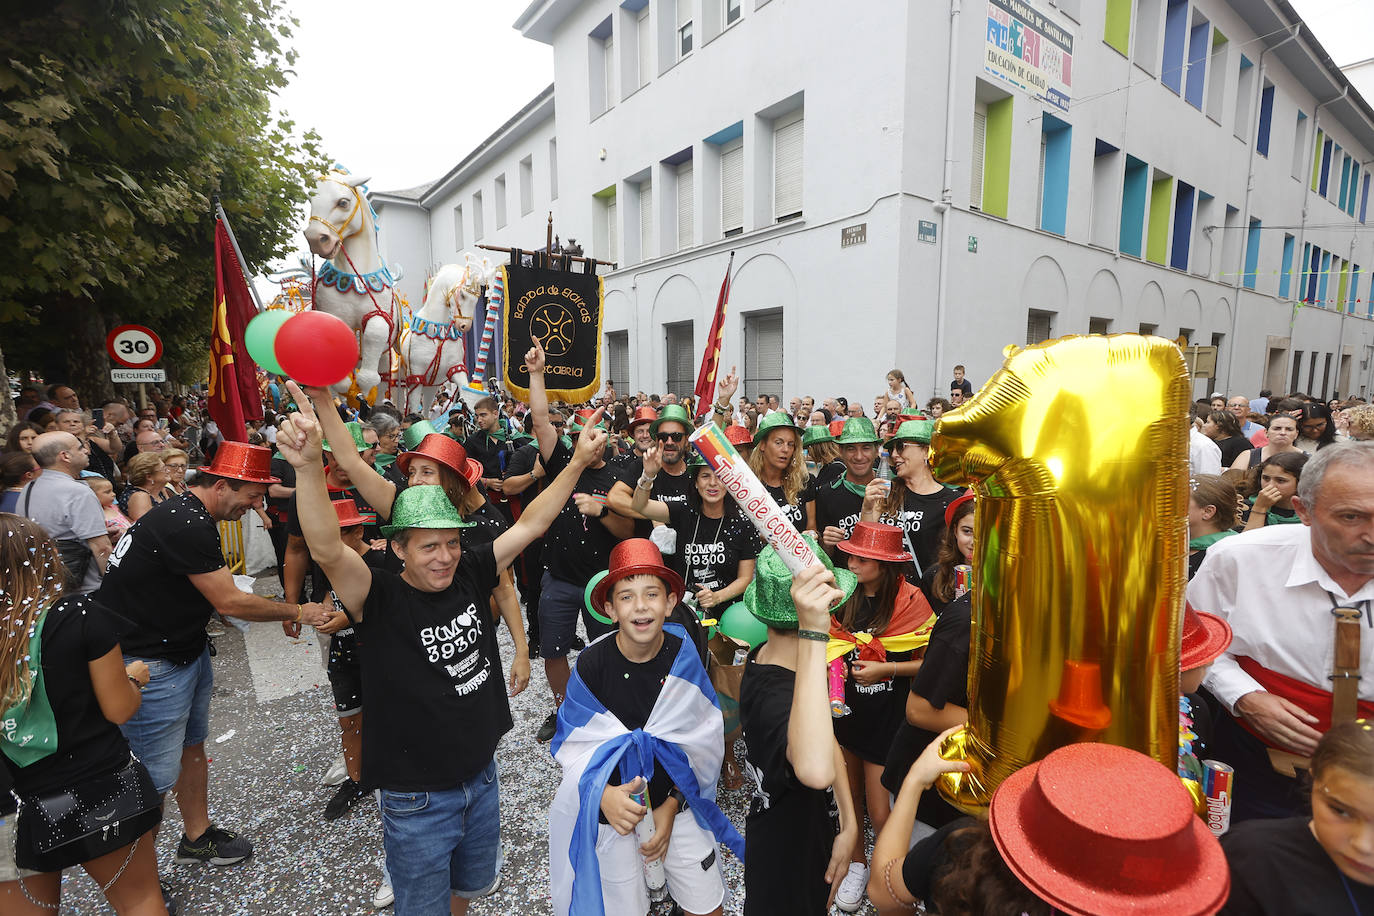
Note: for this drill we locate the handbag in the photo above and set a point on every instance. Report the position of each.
(75, 555)
(96, 805)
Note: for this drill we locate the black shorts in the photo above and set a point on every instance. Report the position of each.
(560, 603)
(345, 673)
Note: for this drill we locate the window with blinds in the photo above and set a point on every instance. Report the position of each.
(612, 232)
(477, 232)
(763, 354)
(787, 167)
(501, 201)
(646, 221)
(686, 215)
(608, 55)
(732, 188)
(732, 11)
(458, 228)
(678, 358)
(1038, 326)
(617, 368)
(684, 28)
(980, 134)
(644, 40)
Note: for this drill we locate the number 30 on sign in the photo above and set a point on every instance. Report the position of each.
(134, 346)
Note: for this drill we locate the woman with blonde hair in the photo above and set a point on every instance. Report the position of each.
(147, 484)
(66, 690)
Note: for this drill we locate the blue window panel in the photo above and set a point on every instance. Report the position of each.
(1054, 203)
(1322, 273)
(1285, 273)
(1252, 247)
(1134, 190)
(1197, 64)
(1183, 225)
(1326, 168)
(1354, 188)
(1311, 257)
(1364, 199)
(1345, 182)
(1266, 117)
(1175, 33)
(1354, 288)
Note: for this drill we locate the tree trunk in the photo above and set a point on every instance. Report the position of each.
(87, 364)
(8, 417)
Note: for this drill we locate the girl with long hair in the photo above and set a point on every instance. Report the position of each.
(1282, 432)
(1211, 516)
(1316, 428)
(16, 470)
(956, 549)
(886, 622)
(1270, 489)
(21, 436)
(66, 688)
(1222, 427)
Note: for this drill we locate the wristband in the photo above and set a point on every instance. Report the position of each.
(299, 611)
(646, 483)
(720, 410)
(134, 681)
(814, 635)
(604, 509)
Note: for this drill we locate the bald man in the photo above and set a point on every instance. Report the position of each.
(68, 509)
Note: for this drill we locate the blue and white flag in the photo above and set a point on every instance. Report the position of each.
(684, 735)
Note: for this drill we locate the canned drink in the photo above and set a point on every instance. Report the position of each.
(1218, 786)
(963, 578)
(838, 707)
(654, 876)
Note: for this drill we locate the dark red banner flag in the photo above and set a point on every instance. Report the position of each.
(233, 396)
(710, 360)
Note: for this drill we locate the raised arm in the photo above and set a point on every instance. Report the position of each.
(652, 509)
(540, 513)
(379, 492)
(544, 433)
(810, 730)
(725, 397)
(299, 440)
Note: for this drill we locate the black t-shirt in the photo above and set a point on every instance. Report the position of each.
(838, 504)
(876, 710)
(709, 550)
(1279, 869)
(487, 449)
(1231, 448)
(286, 473)
(788, 831)
(629, 691)
(932, 857)
(922, 517)
(432, 679)
(683, 616)
(75, 632)
(795, 512)
(521, 461)
(943, 678)
(667, 488)
(100, 461)
(371, 530)
(963, 385)
(491, 523)
(147, 581)
(578, 546)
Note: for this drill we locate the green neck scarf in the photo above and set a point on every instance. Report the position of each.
(1203, 541)
(28, 732)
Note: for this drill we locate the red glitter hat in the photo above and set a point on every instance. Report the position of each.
(1205, 636)
(446, 451)
(241, 461)
(348, 513)
(875, 541)
(1100, 830)
(738, 435)
(954, 506)
(644, 414)
(635, 557)
(1080, 696)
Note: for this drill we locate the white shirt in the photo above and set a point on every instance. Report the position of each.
(1272, 591)
(1204, 455)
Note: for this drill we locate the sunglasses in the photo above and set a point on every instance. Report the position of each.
(559, 424)
(671, 437)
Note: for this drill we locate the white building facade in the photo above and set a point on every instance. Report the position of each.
(919, 184)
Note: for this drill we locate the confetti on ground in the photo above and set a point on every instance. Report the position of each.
(226, 736)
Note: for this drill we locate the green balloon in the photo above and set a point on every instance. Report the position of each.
(737, 623)
(587, 598)
(260, 338)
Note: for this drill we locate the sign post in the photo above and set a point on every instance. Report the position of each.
(137, 348)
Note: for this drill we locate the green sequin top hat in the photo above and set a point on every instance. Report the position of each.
(775, 420)
(355, 430)
(423, 507)
(918, 431)
(858, 431)
(769, 594)
(672, 412)
(814, 435)
(415, 433)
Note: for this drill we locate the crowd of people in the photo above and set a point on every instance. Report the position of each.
(408, 539)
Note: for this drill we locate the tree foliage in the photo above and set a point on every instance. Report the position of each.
(120, 121)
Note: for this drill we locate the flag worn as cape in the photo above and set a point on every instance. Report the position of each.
(233, 391)
(684, 735)
(907, 630)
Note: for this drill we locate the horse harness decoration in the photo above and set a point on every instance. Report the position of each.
(440, 334)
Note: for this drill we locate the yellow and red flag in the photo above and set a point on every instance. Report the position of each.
(710, 360)
(233, 395)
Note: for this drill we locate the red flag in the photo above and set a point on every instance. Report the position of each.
(710, 360)
(233, 396)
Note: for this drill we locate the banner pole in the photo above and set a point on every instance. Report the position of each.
(243, 265)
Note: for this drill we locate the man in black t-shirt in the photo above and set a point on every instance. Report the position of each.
(837, 506)
(166, 576)
(432, 671)
(487, 445)
(670, 430)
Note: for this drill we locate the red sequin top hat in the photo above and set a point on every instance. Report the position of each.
(1100, 830)
(1080, 696)
(643, 415)
(954, 507)
(348, 514)
(241, 461)
(738, 435)
(1205, 636)
(635, 557)
(875, 541)
(446, 451)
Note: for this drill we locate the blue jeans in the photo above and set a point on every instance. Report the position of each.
(175, 714)
(442, 844)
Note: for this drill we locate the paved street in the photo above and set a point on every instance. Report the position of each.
(272, 736)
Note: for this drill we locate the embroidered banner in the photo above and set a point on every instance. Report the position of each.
(562, 309)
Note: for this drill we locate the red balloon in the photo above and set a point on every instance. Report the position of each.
(316, 349)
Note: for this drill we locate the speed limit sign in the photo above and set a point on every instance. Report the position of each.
(133, 345)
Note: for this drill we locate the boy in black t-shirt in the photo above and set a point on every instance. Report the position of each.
(639, 705)
(794, 856)
(432, 671)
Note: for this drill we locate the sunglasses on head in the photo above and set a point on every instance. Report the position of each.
(671, 437)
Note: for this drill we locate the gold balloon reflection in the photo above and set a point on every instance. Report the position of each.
(1077, 450)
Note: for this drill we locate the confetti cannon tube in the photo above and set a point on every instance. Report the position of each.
(747, 490)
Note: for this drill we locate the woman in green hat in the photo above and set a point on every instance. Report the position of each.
(777, 455)
(917, 501)
(822, 453)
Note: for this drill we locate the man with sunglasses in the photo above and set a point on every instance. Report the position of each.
(669, 431)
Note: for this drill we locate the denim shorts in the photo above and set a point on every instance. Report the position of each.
(443, 844)
(175, 714)
(559, 604)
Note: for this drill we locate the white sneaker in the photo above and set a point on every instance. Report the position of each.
(384, 897)
(851, 894)
(336, 774)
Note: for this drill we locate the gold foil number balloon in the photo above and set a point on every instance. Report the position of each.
(1077, 450)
